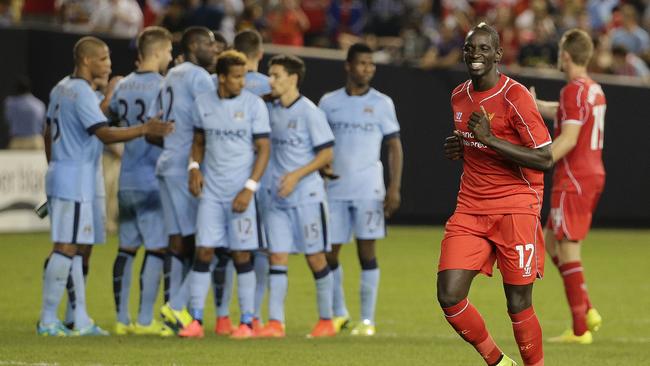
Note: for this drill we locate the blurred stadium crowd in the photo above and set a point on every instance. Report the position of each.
(420, 33)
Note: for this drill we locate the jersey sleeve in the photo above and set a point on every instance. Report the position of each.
(389, 125)
(88, 111)
(202, 83)
(573, 104)
(261, 125)
(319, 130)
(525, 118)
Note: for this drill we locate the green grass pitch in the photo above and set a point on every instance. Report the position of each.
(411, 327)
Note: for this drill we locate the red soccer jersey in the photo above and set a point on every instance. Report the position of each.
(582, 102)
(490, 183)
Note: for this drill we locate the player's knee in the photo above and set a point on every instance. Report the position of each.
(366, 249)
(449, 294)
(519, 299)
(200, 266)
(243, 267)
(332, 259)
(368, 264)
(223, 256)
(204, 255)
(69, 250)
(279, 259)
(317, 262)
(241, 258)
(176, 244)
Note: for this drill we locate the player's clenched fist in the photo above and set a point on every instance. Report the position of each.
(196, 182)
(242, 200)
(454, 146)
(154, 127)
(479, 124)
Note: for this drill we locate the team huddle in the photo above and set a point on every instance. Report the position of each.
(224, 175)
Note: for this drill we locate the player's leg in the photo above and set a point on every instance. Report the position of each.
(341, 221)
(311, 229)
(245, 236)
(129, 239)
(55, 277)
(369, 225)
(518, 240)
(149, 217)
(464, 253)
(261, 264)
(173, 265)
(223, 276)
(281, 243)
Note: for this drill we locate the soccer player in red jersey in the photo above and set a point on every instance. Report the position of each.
(505, 147)
(578, 179)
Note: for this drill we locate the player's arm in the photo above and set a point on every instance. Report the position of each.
(196, 158)
(535, 158)
(395, 163)
(153, 127)
(47, 139)
(566, 141)
(108, 91)
(154, 140)
(548, 109)
(323, 157)
(263, 153)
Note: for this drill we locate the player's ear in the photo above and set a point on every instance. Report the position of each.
(498, 56)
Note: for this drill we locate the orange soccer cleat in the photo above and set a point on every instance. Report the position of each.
(223, 326)
(257, 324)
(244, 331)
(192, 330)
(274, 329)
(324, 328)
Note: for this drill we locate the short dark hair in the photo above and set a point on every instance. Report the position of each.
(356, 49)
(22, 85)
(229, 58)
(191, 34)
(249, 42)
(219, 38)
(149, 37)
(494, 35)
(85, 47)
(292, 64)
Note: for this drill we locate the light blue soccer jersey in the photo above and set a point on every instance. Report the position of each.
(360, 124)
(230, 126)
(73, 115)
(257, 83)
(132, 98)
(298, 132)
(179, 89)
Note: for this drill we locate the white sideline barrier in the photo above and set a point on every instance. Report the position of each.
(22, 187)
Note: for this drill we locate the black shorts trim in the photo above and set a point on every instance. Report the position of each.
(75, 222)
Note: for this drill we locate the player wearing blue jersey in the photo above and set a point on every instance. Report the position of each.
(231, 142)
(180, 87)
(74, 133)
(296, 221)
(249, 42)
(138, 195)
(362, 119)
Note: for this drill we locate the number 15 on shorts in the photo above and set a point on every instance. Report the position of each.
(526, 253)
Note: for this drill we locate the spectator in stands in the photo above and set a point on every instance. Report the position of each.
(74, 15)
(6, 16)
(541, 51)
(287, 24)
(386, 17)
(25, 115)
(446, 51)
(205, 13)
(628, 63)
(175, 18)
(232, 9)
(345, 17)
(316, 12)
(630, 35)
(119, 18)
(252, 17)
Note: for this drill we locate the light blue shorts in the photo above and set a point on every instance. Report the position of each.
(218, 226)
(179, 206)
(76, 222)
(363, 218)
(141, 219)
(300, 229)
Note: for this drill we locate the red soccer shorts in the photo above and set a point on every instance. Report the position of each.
(571, 212)
(475, 242)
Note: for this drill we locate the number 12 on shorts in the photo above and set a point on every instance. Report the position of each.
(525, 258)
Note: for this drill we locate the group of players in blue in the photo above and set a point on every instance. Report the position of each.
(223, 176)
